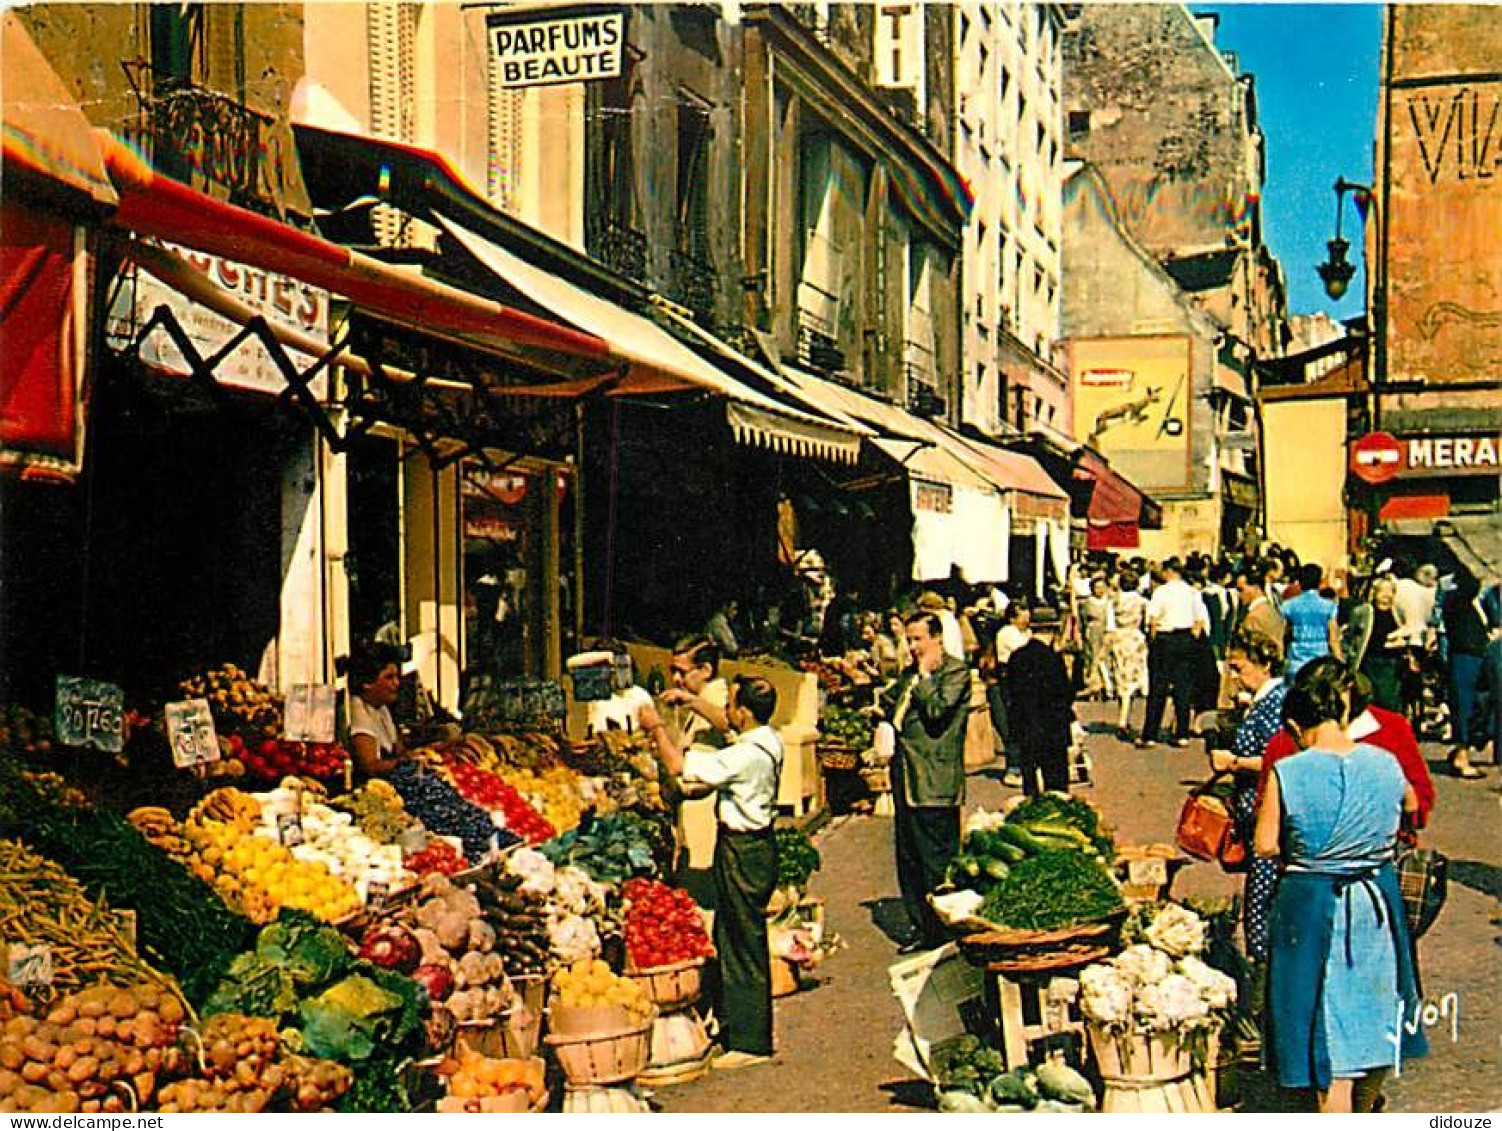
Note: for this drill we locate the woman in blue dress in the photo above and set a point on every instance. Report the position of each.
(1341, 975)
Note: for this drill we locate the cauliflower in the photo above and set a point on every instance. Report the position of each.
(573, 937)
(1178, 931)
(535, 869)
(1142, 965)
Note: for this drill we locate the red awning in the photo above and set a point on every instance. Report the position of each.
(41, 340)
(1113, 536)
(1400, 507)
(1113, 499)
(157, 206)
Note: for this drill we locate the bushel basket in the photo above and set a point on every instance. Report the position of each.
(672, 987)
(603, 1058)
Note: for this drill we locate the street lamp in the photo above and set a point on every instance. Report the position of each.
(1336, 271)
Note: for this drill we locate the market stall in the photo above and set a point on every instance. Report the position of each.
(484, 929)
(1073, 983)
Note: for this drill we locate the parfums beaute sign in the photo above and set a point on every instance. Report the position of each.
(565, 46)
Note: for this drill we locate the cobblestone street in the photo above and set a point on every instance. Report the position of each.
(835, 1041)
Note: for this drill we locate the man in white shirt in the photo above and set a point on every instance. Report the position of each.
(1176, 615)
(743, 777)
(1415, 600)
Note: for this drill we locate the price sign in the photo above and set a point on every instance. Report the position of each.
(90, 713)
(190, 732)
(310, 713)
(289, 829)
(376, 894)
(1148, 871)
(29, 965)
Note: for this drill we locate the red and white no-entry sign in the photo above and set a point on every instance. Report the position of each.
(1377, 457)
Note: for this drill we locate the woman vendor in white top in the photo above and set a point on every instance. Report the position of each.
(375, 681)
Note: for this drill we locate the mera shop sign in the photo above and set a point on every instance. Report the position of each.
(1451, 455)
(579, 47)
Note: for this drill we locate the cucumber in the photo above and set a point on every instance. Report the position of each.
(1009, 853)
(996, 869)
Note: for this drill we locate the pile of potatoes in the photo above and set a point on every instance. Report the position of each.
(99, 1050)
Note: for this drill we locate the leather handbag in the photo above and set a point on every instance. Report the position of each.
(1207, 831)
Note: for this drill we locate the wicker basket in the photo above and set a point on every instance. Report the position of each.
(838, 756)
(573, 1021)
(1022, 950)
(878, 779)
(512, 1035)
(603, 1058)
(673, 987)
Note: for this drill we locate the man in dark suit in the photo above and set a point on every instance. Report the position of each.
(929, 708)
(1040, 710)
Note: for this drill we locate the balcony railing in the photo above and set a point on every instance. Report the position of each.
(203, 132)
(621, 248)
(694, 284)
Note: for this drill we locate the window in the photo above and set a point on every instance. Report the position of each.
(1079, 123)
(613, 229)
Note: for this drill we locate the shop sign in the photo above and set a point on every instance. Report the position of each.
(190, 733)
(90, 712)
(1107, 378)
(935, 497)
(280, 299)
(579, 47)
(1380, 457)
(309, 713)
(1451, 455)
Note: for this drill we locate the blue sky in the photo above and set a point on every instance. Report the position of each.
(1317, 69)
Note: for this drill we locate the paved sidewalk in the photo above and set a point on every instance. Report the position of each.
(835, 1041)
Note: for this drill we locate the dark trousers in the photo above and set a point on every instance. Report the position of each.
(1172, 673)
(1047, 760)
(745, 873)
(997, 704)
(927, 839)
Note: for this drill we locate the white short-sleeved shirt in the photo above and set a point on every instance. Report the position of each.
(374, 721)
(745, 776)
(622, 710)
(1177, 606)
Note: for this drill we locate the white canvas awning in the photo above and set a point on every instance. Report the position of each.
(754, 417)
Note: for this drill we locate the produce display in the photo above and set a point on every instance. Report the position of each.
(554, 793)
(439, 806)
(239, 704)
(797, 858)
(437, 857)
(578, 919)
(612, 848)
(329, 1004)
(183, 927)
(94, 1051)
(1053, 890)
(848, 727)
(971, 1077)
(377, 808)
(474, 1079)
(520, 919)
(495, 795)
(274, 758)
(1042, 866)
(450, 949)
(24, 732)
(590, 983)
(41, 905)
(663, 925)
(267, 876)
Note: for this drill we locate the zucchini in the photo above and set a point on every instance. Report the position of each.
(1021, 838)
(1009, 853)
(1058, 829)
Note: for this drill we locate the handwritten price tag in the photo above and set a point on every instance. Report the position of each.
(376, 895)
(90, 713)
(1149, 871)
(29, 965)
(289, 829)
(190, 732)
